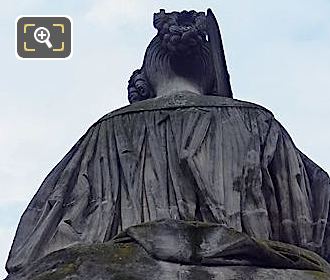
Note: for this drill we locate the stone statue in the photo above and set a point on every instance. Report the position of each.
(184, 183)
(180, 58)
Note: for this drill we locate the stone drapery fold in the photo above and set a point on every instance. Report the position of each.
(186, 157)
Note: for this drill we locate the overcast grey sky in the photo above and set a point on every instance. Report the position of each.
(278, 54)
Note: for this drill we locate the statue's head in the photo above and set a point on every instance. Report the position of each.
(186, 55)
(181, 32)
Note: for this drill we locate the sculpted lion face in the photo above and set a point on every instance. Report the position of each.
(181, 32)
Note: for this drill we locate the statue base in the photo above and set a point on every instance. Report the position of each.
(172, 249)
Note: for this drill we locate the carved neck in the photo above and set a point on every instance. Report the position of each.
(177, 84)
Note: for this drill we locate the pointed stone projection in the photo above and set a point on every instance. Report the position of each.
(184, 183)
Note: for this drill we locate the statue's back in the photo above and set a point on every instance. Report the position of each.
(189, 178)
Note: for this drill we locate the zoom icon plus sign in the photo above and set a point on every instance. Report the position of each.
(44, 37)
(41, 35)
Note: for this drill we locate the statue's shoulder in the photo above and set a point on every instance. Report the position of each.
(182, 101)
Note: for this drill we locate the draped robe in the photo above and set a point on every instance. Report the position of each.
(183, 157)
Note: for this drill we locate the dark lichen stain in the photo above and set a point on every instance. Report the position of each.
(317, 275)
(127, 260)
(58, 274)
(109, 257)
(197, 273)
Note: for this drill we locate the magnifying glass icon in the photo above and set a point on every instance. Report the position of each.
(41, 35)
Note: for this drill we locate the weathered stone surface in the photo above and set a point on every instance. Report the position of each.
(148, 252)
(229, 162)
(183, 155)
(130, 262)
